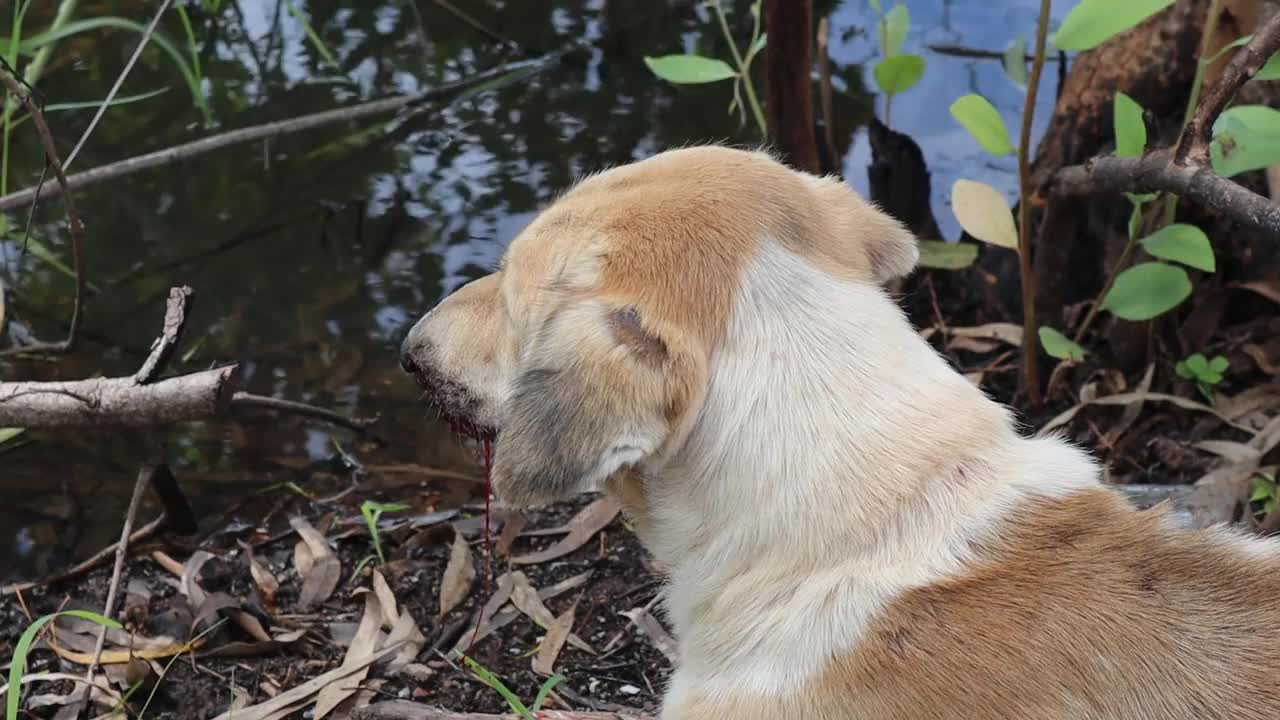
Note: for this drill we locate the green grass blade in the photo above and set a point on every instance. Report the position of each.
(312, 36)
(545, 690)
(19, 665)
(119, 23)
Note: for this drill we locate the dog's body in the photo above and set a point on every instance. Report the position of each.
(851, 528)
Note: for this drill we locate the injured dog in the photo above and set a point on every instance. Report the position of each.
(850, 527)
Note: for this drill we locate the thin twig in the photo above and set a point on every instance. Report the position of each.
(175, 319)
(1170, 201)
(979, 53)
(106, 102)
(254, 133)
(244, 399)
(1030, 340)
(1193, 145)
(122, 549)
(74, 227)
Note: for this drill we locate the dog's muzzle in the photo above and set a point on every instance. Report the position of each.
(456, 404)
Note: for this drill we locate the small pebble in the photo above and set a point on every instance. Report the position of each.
(629, 690)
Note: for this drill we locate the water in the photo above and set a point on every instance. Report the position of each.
(312, 254)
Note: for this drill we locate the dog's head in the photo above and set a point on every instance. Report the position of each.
(588, 351)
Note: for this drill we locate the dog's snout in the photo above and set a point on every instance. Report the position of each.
(411, 349)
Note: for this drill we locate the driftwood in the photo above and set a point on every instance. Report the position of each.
(402, 710)
(143, 401)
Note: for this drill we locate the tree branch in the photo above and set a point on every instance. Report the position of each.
(116, 402)
(1193, 144)
(1157, 171)
(1186, 171)
(175, 318)
(74, 226)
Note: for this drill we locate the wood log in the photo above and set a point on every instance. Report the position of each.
(116, 402)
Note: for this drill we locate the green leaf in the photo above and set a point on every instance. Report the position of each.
(1131, 131)
(876, 4)
(898, 73)
(1015, 62)
(1183, 370)
(1197, 364)
(983, 213)
(1142, 198)
(1264, 488)
(893, 29)
(1219, 364)
(983, 122)
(689, 69)
(7, 434)
(1270, 71)
(1058, 345)
(313, 36)
(1093, 22)
(1183, 243)
(1245, 137)
(1147, 290)
(20, 651)
(756, 46)
(941, 255)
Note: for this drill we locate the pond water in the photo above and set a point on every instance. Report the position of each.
(312, 254)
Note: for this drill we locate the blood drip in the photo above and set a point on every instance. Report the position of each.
(488, 537)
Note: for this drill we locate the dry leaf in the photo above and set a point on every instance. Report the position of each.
(1133, 397)
(1216, 496)
(590, 520)
(295, 699)
(1132, 412)
(504, 618)
(264, 582)
(653, 630)
(973, 345)
(190, 587)
(362, 645)
(1004, 332)
(1232, 452)
(510, 531)
(984, 213)
(386, 599)
(1258, 397)
(1260, 359)
(255, 648)
(544, 662)
(458, 575)
(1268, 290)
(527, 601)
(406, 631)
(324, 569)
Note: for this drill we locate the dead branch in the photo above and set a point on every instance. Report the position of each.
(1157, 171)
(402, 710)
(244, 399)
(266, 131)
(119, 402)
(1193, 144)
(1186, 171)
(175, 318)
(122, 549)
(74, 226)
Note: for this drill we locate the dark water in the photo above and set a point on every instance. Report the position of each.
(312, 254)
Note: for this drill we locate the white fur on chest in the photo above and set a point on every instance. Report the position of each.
(803, 499)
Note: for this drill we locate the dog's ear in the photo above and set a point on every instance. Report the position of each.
(592, 398)
(891, 250)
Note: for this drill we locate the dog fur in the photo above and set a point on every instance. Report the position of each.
(851, 529)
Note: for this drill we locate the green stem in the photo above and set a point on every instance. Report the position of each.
(743, 70)
(31, 75)
(36, 68)
(1030, 339)
(1206, 37)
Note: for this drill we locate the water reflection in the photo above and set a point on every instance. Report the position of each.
(311, 254)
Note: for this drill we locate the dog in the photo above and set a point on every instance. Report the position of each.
(850, 528)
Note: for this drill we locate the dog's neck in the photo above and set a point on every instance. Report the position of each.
(836, 461)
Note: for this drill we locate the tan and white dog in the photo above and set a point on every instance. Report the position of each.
(851, 528)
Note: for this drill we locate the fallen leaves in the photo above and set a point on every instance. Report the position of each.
(589, 521)
(319, 568)
(458, 575)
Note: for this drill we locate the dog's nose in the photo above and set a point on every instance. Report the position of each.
(406, 362)
(408, 349)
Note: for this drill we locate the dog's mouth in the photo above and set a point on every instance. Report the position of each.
(455, 405)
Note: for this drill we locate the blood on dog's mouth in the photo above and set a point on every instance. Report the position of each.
(455, 404)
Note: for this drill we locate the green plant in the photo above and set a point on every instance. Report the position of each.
(896, 72)
(518, 707)
(372, 512)
(18, 665)
(1205, 373)
(694, 69)
(1264, 494)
